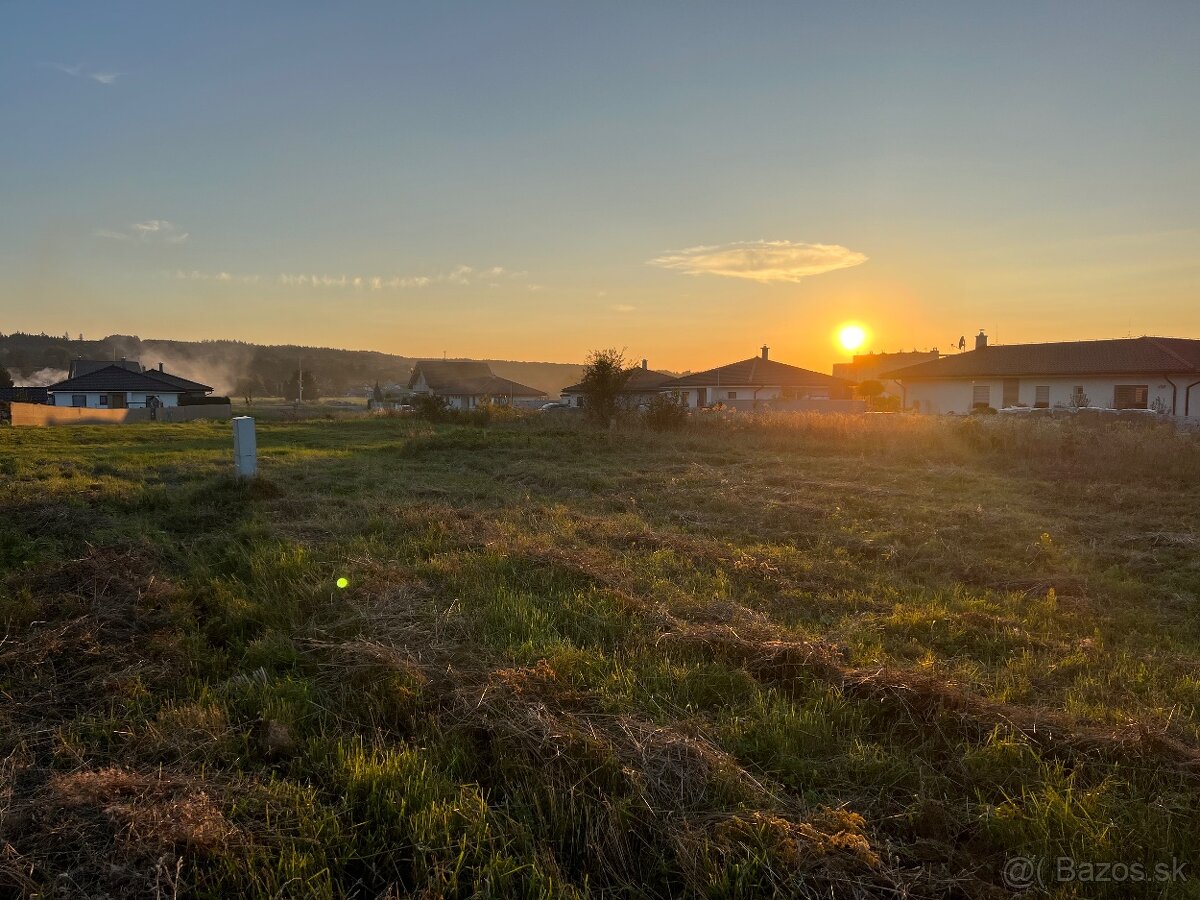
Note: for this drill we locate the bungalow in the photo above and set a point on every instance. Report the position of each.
(642, 386)
(1129, 373)
(755, 382)
(871, 366)
(465, 384)
(117, 386)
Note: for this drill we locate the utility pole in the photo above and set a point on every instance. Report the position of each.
(300, 381)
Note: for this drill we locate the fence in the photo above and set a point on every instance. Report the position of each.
(35, 414)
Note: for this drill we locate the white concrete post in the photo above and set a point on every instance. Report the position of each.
(245, 447)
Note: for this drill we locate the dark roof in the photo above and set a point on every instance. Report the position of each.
(116, 378)
(442, 372)
(455, 377)
(183, 384)
(1123, 356)
(87, 366)
(639, 380)
(758, 372)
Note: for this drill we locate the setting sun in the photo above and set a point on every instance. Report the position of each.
(851, 337)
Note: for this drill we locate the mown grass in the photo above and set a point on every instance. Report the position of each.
(794, 655)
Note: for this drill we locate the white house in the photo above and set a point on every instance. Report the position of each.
(642, 386)
(758, 382)
(871, 366)
(116, 386)
(465, 384)
(1150, 373)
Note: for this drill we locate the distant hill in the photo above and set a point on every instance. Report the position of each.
(39, 359)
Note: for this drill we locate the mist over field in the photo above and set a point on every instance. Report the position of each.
(39, 360)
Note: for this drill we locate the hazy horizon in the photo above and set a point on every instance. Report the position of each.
(531, 182)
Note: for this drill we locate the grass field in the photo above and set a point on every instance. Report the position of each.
(796, 656)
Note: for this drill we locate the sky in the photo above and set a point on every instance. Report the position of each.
(529, 180)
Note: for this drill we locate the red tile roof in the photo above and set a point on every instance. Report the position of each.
(640, 380)
(467, 378)
(1123, 356)
(757, 372)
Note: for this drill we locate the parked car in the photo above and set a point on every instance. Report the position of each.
(557, 404)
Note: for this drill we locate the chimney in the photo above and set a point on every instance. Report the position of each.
(645, 363)
(160, 368)
(765, 351)
(980, 340)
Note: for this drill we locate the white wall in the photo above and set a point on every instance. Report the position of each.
(460, 401)
(746, 395)
(956, 395)
(631, 400)
(133, 400)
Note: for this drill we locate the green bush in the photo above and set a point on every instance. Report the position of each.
(666, 412)
(430, 408)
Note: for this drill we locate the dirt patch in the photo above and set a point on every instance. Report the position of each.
(110, 832)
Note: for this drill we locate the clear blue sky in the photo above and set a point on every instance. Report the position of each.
(532, 180)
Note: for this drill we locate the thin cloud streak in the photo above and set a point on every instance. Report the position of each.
(78, 71)
(220, 277)
(766, 262)
(149, 231)
(461, 276)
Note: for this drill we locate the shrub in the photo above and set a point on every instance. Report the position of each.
(666, 412)
(430, 408)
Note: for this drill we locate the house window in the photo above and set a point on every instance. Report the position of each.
(731, 395)
(1012, 391)
(104, 399)
(79, 399)
(1041, 396)
(1078, 398)
(981, 395)
(1131, 396)
(818, 393)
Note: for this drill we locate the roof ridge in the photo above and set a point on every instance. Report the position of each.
(1157, 342)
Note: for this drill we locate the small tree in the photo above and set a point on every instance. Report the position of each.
(604, 377)
(246, 389)
(290, 391)
(377, 393)
(870, 390)
(5, 378)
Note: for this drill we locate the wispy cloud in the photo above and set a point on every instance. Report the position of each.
(220, 277)
(152, 230)
(461, 276)
(763, 261)
(622, 308)
(79, 71)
